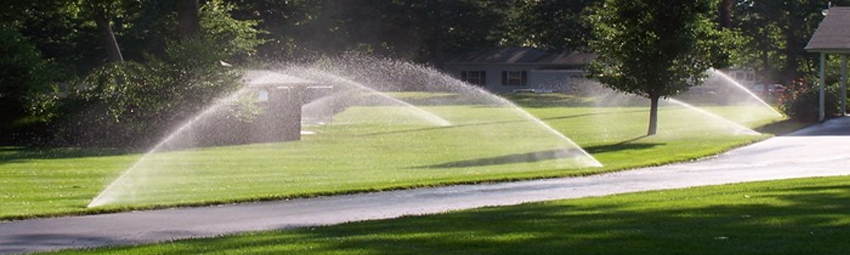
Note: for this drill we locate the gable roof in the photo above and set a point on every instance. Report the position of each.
(521, 55)
(833, 33)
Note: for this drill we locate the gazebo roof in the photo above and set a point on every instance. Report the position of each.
(833, 33)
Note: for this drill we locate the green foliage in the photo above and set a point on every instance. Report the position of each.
(113, 105)
(801, 100)
(26, 78)
(776, 33)
(235, 39)
(134, 103)
(655, 48)
(555, 24)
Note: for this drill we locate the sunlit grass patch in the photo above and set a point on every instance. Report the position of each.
(353, 154)
(800, 216)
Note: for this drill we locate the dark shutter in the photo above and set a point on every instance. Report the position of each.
(483, 78)
(504, 78)
(524, 78)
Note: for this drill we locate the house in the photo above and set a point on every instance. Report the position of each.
(520, 69)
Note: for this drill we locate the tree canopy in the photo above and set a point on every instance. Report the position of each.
(654, 48)
(66, 45)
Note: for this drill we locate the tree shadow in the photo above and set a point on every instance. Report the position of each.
(14, 154)
(540, 156)
(511, 159)
(832, 127)
(622, 146)
(807, 222)
(807, 219)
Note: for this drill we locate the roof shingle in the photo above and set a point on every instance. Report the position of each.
(833, 33)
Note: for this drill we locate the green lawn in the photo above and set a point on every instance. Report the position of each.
(801, 216)
(372, 148)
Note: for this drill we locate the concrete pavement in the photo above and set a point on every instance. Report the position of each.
(821, 150)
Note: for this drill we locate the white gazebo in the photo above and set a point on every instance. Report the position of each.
(832, 37)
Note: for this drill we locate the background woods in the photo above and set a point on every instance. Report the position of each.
(137, 64)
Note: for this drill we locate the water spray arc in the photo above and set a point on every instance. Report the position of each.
(358, 87)
(738, 85)
(487, 134)
(737, 128)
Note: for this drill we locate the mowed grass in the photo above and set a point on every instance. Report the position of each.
(485, 144)
(800, 216)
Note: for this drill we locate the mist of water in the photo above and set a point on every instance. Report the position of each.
(736, 128)
(489, 134)
(346, 86)
(737, 85)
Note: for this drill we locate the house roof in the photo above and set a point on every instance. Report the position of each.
(521, 55)
(833, 33)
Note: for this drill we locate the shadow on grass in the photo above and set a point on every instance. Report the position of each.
(806, 220)
(782, 127)
(511, 159)
(622, 146)
(14, 154)
(546, 155)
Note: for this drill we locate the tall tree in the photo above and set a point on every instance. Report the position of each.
(776, 32)
(655, 48)
(724, 13)
(555, 24)
(188, 18)
(101, 12)
(24, 77)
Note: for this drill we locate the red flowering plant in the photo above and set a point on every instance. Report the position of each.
(800, 100)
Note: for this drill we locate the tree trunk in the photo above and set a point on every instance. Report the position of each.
(439, 36)
(188, 18)
(653, 115)
(113, 52)
(724, 11)
(767, 74)
(791, 44)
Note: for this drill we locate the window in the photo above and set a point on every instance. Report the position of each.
(474, 77)
(514, 78)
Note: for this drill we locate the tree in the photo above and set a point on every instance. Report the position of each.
(655, 48)
(24, 77)
(555, 24)
(101, 12)
(188, 19)
(776, 32)
(724, 13)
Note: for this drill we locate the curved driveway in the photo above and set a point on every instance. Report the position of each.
(821, 150)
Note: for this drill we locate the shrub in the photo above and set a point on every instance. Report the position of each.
(25, 77)
(801, 101)
(133, 104)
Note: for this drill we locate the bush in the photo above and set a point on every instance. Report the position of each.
(133, 104)
(801, 101)
(25, 78)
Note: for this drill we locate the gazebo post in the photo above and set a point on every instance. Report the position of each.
(821, 87)
(843, 85)
(832, 37)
